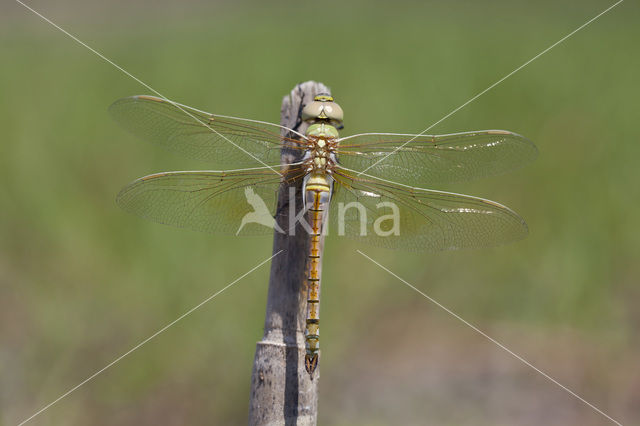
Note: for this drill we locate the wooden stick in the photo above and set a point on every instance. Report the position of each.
(281, 390)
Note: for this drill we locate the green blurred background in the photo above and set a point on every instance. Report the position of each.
(81, 282)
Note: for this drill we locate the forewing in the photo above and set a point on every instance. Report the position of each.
(241, 203)
(224, 142)
(425, 160)
(427, 220)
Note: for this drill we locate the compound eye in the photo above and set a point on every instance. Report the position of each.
(324, 110)
(312, 110)
(333, 112)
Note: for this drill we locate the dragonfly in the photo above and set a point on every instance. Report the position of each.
(362, 172)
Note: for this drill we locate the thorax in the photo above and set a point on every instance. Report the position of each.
(320, 159)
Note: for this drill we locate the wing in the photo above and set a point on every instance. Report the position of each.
(225, 142)
(213, 202)
(421, 160)
(426, 220)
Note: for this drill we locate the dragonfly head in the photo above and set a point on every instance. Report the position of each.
(323, 109)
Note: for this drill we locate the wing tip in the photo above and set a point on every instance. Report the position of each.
(533, 154)
(501, 132)
(136, 98)
(148, 98)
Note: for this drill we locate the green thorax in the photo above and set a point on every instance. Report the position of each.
(322, 130)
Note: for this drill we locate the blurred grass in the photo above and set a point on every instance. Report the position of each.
(81, 282)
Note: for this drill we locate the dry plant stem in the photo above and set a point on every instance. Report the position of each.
(282, 392)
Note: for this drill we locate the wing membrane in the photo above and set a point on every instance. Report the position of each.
(240, 203)
(428, 220)
(225, 142)
(244, 202)
(424, 160)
